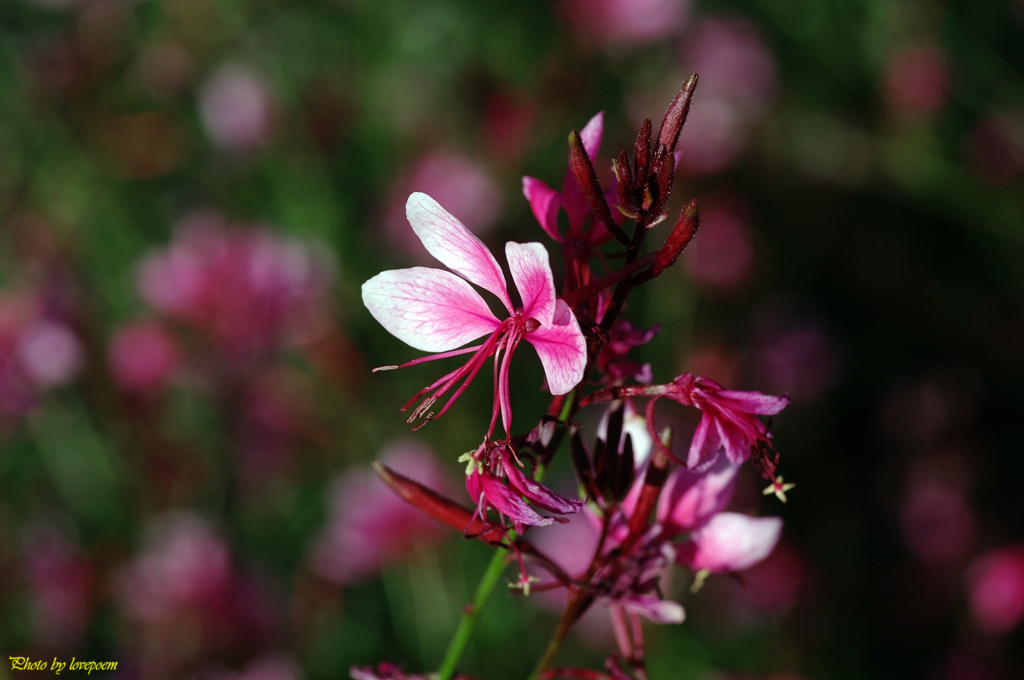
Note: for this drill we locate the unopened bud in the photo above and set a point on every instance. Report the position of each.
(675, 116)
(684, 231)
(583, 170)
(437, 506)
(642, 150)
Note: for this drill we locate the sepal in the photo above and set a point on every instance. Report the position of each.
(439, 507)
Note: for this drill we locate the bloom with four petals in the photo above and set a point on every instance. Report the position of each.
(437, 311)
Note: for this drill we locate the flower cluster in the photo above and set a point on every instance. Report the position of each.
(645, 514)
(245, 290)
(39, 349)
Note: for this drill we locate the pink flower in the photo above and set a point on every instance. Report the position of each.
(50, 353)
(545, 201)
(730, 542)
(691, 503)
(995, 584)
(722, 258)
(487, 490)
(729, 422)
(38, 351)
(141, 356)
(249, 290)
(185, 566)
(688, 501)
(626, 22)
(185, 598)
(370, 526)
(236, 108)
(737, 83)
(436, 311)
(691, 498)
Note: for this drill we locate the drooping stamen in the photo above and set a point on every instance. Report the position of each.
(478, 364)
(432, 357)
(442, 385)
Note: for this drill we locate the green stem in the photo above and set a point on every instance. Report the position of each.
(469, 618)
(494, 571)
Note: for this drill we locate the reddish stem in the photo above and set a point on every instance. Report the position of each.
(579, 295)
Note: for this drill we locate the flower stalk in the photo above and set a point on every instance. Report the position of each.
(648, 513)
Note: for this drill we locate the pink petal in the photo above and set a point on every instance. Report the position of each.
(591, 134)
(995, 588)
(691, 498)
(473, 487)
(541, 496)
(752, 402)
(510, 505)
(544, 202)
(531, 272)
(429, 309)
(562, 350)
(730, 542)
(655, 609)
(736, 442)
(455, 246)
(576, 207)
(705, 443)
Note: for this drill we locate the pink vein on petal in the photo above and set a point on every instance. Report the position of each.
(562, 351)
(428, 309)
(754, 402)
(531, 271)
(455, 246)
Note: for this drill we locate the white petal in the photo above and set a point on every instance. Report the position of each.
(429, 309)
(455, 246)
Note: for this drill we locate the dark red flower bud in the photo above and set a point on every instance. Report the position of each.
(586, 178)
(642, 151)
(684, 231)
(675, 116)
(662, 181)
(437, 506)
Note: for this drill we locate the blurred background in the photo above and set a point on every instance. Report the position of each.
(192, 192)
